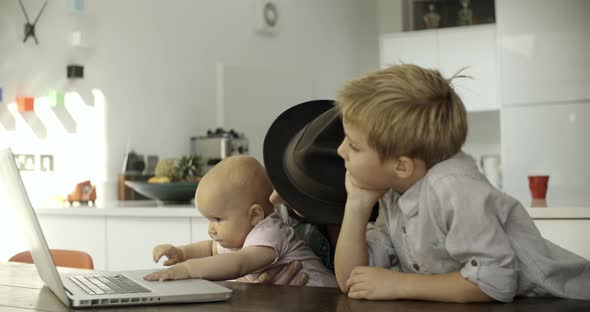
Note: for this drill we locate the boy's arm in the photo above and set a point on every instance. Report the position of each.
(351, 249)
(221, 266)
(382, 284)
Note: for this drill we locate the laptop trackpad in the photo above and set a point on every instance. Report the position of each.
(188, 286)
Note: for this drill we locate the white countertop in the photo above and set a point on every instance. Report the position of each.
(143, 208)
(548, 209)
(171, 212)
(542, 210)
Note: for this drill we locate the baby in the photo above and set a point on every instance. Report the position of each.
(248, 236)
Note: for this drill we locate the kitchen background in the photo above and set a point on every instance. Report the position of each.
(159, 72)
(153, 73)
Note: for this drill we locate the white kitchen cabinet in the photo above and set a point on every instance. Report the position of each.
(544, 51)
(418, 48)
(547, 140)
(130, 240)
(199, 229)
(472, 48)
(450, 50)
(13, 237)
(569, 234)
(77, 233)
(123, 239)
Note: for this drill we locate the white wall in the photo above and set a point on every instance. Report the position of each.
(483, 136)
(544, 53)
(390, 16)
(155, 61)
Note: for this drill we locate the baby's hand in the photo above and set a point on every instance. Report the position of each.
(176, 272)
(174, 254)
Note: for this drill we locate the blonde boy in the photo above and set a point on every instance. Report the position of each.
(452, 236)
(248, 236)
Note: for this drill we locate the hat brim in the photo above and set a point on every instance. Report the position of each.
(283, 129)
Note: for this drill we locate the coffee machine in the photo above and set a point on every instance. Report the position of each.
(217, 145)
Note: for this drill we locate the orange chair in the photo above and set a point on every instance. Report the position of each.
(64, 258)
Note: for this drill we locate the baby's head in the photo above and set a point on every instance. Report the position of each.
(406, 110)
(233, 195)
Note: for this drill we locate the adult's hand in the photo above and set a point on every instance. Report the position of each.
(291, 275)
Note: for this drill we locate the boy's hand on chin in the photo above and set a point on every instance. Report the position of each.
(175, 272)
(364, 197)
(373, 283)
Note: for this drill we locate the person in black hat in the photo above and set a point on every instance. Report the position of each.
(300, 156)
(308, 176)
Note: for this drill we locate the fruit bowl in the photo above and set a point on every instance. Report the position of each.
(173, 192)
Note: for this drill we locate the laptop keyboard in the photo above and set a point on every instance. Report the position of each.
(102, 284)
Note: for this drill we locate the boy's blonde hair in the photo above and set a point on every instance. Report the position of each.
(406, 110)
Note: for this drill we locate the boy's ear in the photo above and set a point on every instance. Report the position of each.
(256, 214)
(404, 167)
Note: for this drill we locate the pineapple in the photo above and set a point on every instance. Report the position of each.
(188, 169)
(166, 168)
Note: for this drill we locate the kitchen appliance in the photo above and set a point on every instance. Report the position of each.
(217, 145)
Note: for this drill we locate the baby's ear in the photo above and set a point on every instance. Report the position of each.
(256, 214)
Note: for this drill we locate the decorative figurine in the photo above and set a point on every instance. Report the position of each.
(84, 194)
(465, 15)
(431, 19)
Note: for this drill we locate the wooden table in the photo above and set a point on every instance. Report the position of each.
(21, 290)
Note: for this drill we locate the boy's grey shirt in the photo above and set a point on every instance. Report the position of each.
(454, 220)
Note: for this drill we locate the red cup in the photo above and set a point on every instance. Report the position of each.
(538, 186)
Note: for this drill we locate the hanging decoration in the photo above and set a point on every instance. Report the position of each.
(30, 28)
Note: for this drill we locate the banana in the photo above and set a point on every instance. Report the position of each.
(159, 179)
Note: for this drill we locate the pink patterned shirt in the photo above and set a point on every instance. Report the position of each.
(272, 232)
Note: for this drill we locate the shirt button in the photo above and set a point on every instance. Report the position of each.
(416, 267)
(473, 263)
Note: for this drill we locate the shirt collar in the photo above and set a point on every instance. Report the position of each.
(408, 201)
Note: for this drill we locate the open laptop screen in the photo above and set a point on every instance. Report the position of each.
(18, 199)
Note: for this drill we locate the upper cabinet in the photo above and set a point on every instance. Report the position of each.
(544, 51)
(409, 47)
(472, 48)
(449, 50)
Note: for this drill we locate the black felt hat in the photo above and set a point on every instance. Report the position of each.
(300, 156)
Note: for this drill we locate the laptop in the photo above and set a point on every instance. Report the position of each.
(95, 289)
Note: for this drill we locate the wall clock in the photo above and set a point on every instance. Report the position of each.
(267, 16)
(271, 14)
(30, 27)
